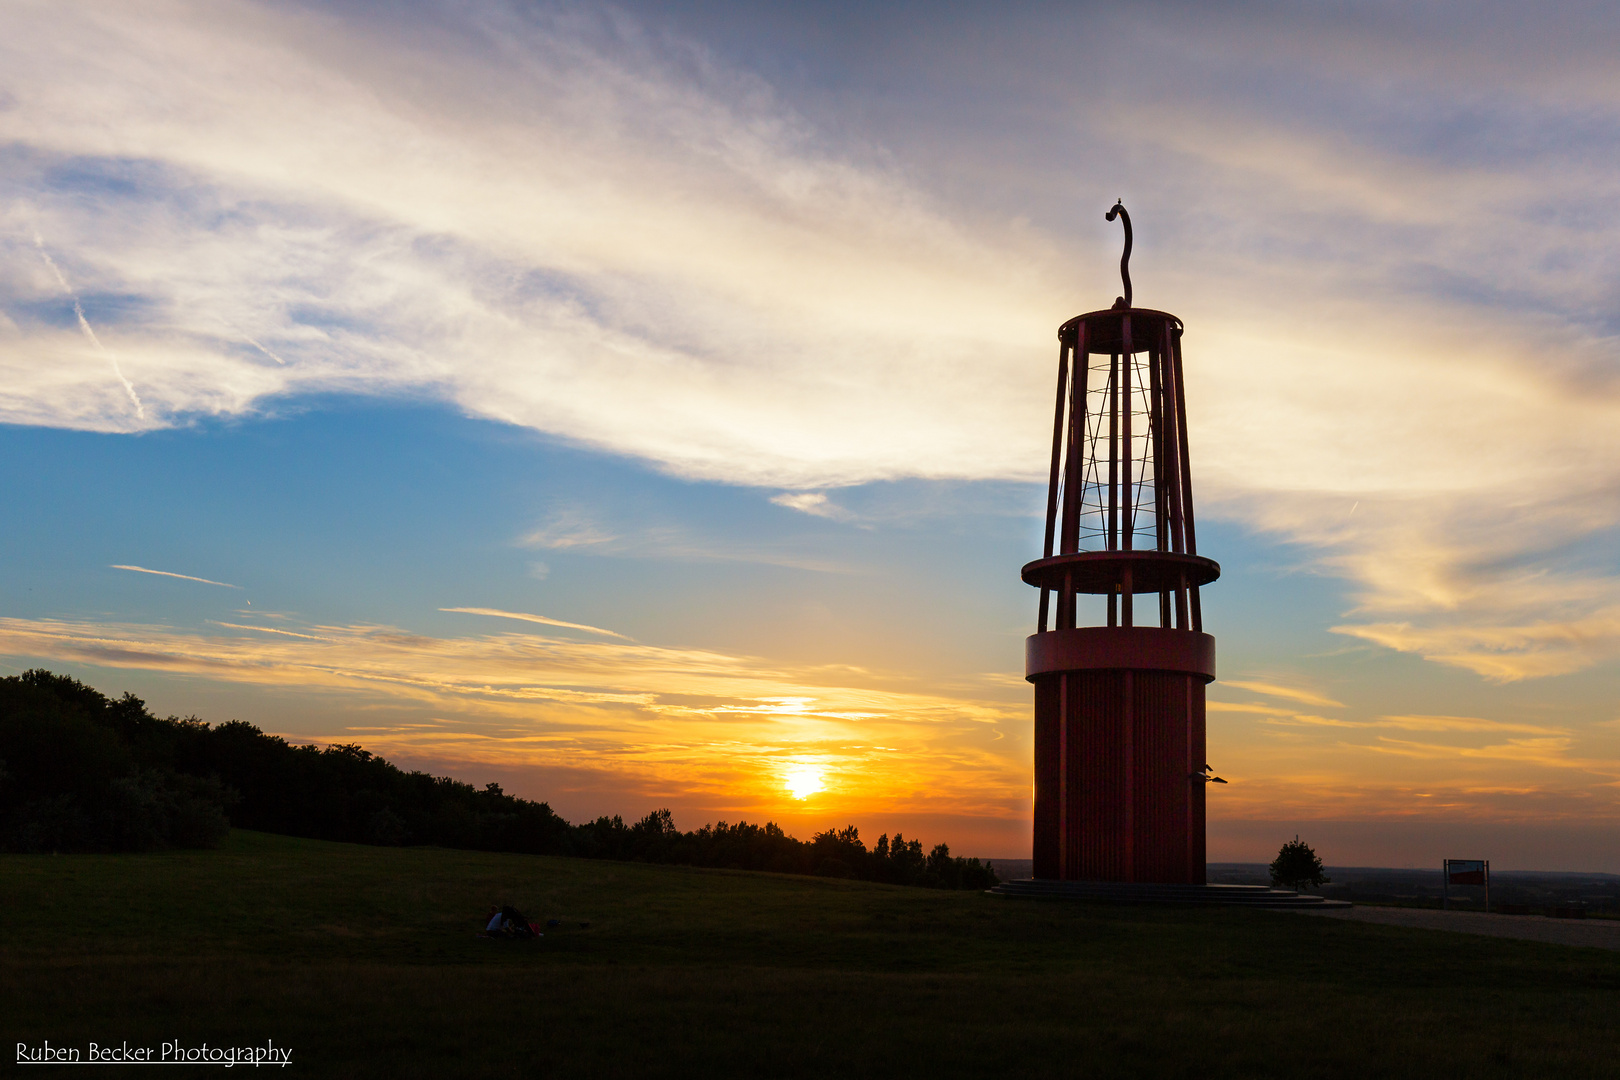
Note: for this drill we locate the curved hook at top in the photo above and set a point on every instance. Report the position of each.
(1125, 259)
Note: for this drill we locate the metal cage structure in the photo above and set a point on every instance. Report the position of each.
(1120, 768)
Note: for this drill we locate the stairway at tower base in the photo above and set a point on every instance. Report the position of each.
(1120, 892)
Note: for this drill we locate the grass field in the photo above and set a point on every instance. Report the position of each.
(365, 962)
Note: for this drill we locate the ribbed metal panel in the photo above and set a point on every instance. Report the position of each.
(1197, 752)
(1160, 791)
(1048, 758)
(1121, 804)
(1098, 819)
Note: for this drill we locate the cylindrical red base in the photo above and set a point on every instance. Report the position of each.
(1119, 789)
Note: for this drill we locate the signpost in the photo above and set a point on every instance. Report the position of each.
(1465, 872)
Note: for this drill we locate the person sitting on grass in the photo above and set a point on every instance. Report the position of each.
(509, 922)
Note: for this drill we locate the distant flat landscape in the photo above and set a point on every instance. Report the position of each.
(1598, 894)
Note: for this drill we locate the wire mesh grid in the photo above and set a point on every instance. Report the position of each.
(1136, 510)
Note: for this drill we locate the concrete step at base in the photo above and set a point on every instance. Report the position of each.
(1123, 892)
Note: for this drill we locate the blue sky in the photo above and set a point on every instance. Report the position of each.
(724, 334)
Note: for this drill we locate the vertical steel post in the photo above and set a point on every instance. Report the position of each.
(1186, 477)
(1113, 476)
(1074, 487)
(1113, 452)
(1079, 387)
(1156, 439)
(1181, 437)
(1127, 497)
(1057, 458)
(1073, 474)
(1127, 454)
(1172, 453)
(1161, 516)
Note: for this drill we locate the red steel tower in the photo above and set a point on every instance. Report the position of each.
(1119, 708)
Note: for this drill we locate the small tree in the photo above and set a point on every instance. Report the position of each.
(1297, 866)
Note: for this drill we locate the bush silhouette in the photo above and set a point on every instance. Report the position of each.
(1296, 867)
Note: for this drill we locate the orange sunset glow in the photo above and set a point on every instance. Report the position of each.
(641, 410)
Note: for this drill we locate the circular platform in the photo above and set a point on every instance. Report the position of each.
(1105, 330)
(1102, 572)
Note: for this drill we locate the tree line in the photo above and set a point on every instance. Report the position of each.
(80, 771)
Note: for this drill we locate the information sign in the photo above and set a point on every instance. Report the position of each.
(1465, 872)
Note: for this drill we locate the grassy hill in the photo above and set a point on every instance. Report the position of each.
(365, 961)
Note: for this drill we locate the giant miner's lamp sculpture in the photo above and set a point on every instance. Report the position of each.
(1119, 708)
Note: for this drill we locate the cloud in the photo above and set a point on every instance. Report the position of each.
(535, 619)
(1504, 653)
(84, 324)
(1308, 697)
(265, 630)
(577, 532)
(569, 530)
(1398, 276)
(1463, 723)
(166, 573)
(1550, 752)
(715, 725)
(665, 263)
(1309, 720)
(814, 503)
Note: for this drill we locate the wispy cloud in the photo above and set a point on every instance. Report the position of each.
(1504, 653)
(719, 726)
(560, 219)
(707, 277)
(167, 573)
(1464, 723)
(84, 324)
(814, 503)
(265, 630)
(712, 723)
(1310, 720)
(1546, 752)
(570, 529)
(575, 532)
(535, 619)
(1292, 693)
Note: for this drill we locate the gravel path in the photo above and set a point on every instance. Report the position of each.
(1593, 933)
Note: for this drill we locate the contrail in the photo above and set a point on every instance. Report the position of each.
(84, 324)
(534, 618)
(167, 573)
(264, 350)
(267, 630)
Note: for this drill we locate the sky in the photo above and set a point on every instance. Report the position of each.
(646, 405)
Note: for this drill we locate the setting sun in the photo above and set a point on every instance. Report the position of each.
(802, 781)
